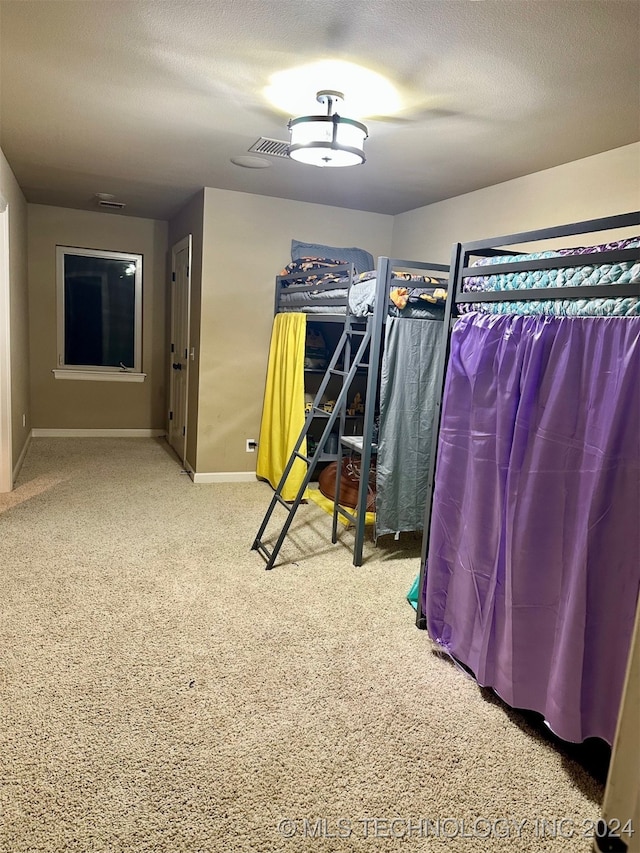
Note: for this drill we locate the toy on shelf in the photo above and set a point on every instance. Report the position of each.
(357, 406)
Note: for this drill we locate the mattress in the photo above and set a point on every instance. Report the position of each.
(584, 274)
(314, 302)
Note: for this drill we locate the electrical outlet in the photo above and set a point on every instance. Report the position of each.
(251, 445)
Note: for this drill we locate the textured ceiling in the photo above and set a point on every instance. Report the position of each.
(151, 100)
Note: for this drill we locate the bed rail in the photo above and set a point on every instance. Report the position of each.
(314, 284)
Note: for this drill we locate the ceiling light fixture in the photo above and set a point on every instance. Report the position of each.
(329, 140)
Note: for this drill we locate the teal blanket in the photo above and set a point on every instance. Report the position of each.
(584, 274)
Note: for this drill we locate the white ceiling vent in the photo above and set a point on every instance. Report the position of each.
(272, 147)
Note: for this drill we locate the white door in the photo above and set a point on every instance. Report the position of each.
(6, 452)
(179, 345)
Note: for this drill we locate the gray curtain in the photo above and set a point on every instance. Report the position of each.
(407, 408)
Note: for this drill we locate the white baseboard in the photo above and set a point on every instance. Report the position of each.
(225, 477)
(97, 433)
(23, 453)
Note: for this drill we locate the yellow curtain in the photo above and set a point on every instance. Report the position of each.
(283, 408)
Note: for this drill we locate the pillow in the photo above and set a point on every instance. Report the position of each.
(360, 258)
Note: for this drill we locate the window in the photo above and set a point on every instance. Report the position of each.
(99, 311)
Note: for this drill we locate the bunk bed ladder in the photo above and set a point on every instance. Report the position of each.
(351, 333)
(366, 444)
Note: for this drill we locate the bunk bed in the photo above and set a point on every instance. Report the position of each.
(325, 287)
(530, 566)
(403, 301)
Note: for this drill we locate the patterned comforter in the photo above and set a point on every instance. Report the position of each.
(584, 275)
(416, 296)
(410, 295)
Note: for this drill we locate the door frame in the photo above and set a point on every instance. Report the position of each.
(184, 243)
(6, 443)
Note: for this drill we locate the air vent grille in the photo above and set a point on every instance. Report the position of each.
(112, 205)
(272, 147)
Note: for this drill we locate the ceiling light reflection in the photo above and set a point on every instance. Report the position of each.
(366, 92)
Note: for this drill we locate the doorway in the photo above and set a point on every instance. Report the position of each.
(179, 346)
(6, 448)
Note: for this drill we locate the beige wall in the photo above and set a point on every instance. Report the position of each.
(247, 241)
(190, 221)
(19, 322)
(67, 404)
(602, 185)
(240, 241)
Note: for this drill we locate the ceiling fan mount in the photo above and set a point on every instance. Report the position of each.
(329, 98)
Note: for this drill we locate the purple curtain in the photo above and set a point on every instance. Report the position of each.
(533, 569)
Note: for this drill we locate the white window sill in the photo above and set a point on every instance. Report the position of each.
(100, 375)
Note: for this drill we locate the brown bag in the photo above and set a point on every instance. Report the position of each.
(349, 483)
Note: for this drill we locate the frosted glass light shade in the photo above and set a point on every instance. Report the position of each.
(327, 140)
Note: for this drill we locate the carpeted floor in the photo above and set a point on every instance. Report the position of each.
(160, 691)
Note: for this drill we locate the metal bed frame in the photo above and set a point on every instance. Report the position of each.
(460, 269)
(367, 333)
